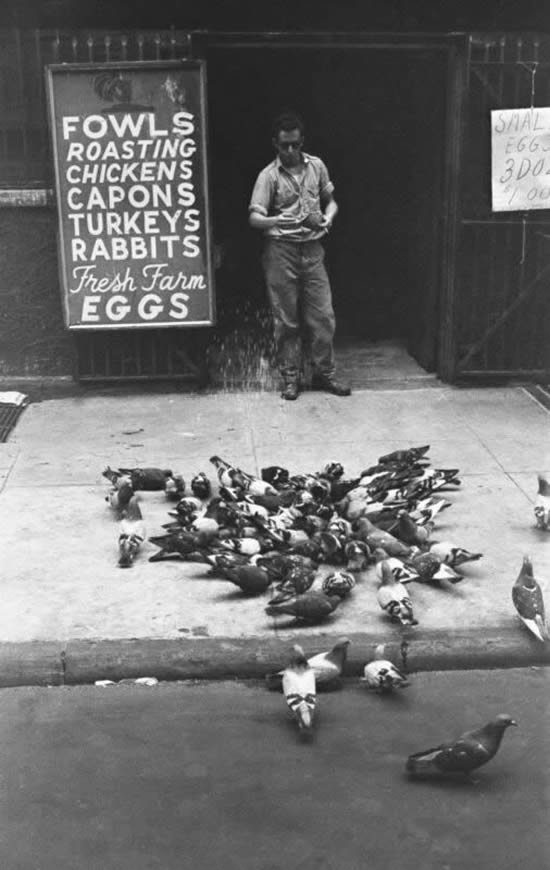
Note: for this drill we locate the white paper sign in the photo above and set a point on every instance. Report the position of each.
(520, 153)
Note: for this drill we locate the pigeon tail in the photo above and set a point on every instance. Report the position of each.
(423, 762)
(544, 486)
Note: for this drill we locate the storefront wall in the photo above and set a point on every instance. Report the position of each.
(417, 253)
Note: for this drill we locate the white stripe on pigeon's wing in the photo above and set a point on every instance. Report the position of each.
(299, 689)
(529, 602)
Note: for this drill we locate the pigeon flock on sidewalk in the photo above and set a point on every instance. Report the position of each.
(306, 539)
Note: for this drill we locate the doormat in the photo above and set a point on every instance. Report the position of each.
(12, 405)
(540, 392)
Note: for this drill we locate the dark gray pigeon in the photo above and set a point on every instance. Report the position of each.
(470, 751)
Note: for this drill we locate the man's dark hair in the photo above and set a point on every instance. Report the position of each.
(287, 121)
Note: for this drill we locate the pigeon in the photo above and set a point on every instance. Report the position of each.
(410, 532)
(367, 531)
(327, 666)
(311, 607)
(174, 487)
(247, 546)
(407, 456)
(381, 675)
(229, 476)
(394, 599)
(297, 580)
(299, 689)
(427, 509)
(357, 555)
(542, 504)
(452, 555)
(207, 525)
(149, 479)
(276, 476)
(332, 471)
(429, 569)
(177, 545)
(222, 562)
(528, 601)
(402, 572)
(462, 756)
(250, 579)
(201, 486)
(338, 583)
(121, 493)
(132, 533)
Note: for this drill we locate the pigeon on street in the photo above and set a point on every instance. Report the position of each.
(300, 690)
(381, 675)
(528, 601)
(462, 756)
(328, 667)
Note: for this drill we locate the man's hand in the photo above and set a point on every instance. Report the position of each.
(287, 220)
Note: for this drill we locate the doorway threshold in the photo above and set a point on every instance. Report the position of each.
(380, 365)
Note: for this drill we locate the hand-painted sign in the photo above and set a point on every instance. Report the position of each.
(520, 141)
(129, 146)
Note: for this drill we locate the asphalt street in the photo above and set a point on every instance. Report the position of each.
(182, 776)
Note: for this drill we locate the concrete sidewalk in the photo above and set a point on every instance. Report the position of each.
(70, 614)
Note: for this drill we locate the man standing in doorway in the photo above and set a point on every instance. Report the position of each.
(293, 203)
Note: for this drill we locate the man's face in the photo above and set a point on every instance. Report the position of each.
(289, 146)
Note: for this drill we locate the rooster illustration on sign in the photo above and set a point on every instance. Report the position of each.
(112, 87)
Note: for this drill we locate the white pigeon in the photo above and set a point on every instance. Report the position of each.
(381, 675)
(132, 533)
(452, 555)
(401, 572)
(299, 689)
(327, 666)
(393, 598)
(542, 504)
(528, 601)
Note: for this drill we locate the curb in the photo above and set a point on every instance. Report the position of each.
(50, 663)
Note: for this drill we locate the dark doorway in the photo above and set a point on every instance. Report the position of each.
(377, 118)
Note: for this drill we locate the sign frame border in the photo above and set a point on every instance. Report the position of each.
(50, 71)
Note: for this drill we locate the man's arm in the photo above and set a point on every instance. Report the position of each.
(262, 221)
(331, 210)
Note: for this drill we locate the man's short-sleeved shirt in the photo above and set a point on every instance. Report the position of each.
(278, 191)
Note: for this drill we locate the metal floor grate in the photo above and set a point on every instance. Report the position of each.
(9, 415)
(541, 392)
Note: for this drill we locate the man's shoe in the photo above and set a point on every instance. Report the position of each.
(330, 384)
(290, 391)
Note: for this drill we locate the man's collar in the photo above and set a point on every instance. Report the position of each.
(278, 165)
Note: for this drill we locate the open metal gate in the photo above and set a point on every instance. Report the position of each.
(500, 317)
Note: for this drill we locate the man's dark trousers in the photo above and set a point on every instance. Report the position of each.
(298, 286)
